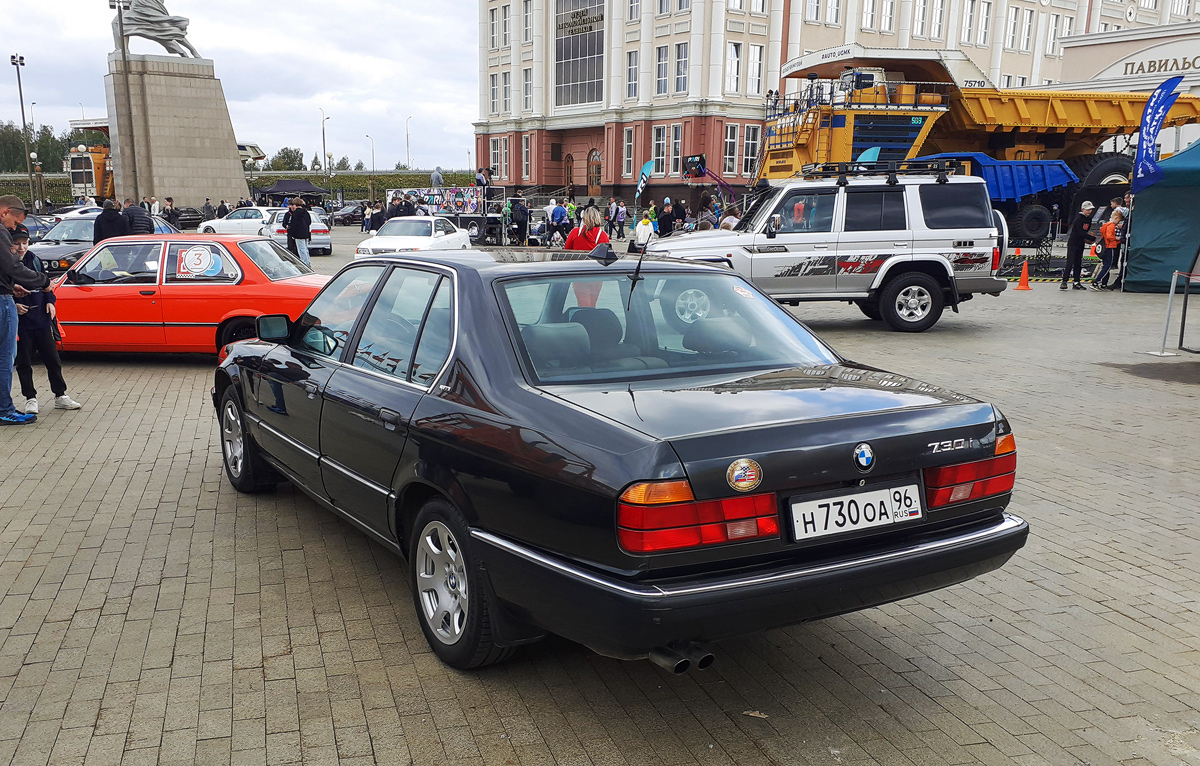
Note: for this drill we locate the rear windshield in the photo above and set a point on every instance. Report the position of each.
(956, 206)
(273, 260)
(398, 227)
(585, 328)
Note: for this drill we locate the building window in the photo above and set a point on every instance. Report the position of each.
(1022, 81)
(754, 71)
(1052, 36)
(868, 19)
(659, 150)
(631, 74)
(684, 5)
(506, 90)
(494, 87)
(676, 148)
(1103, 27)
(578, 52)
(733, 67)
(887, 15)
(525, 156)
(1181, 7)
(968, 22)
(627, 154)
(1149, 4)
(938, 17)
(750, 149)
(735, 5)
(985, 22)
(812, 10)
(504, 158)
(661, 69)
(493, 29)
(1010, 37)
(505, 23)
(681, 67)
(1068, 25)
(920, 17)
(634, 11)
(1027, 29)
(527, 21)
(758, 6)
(664, 6)
(1006, 81)
(527, 89)
(833, 11)
(731, 147)
(495, 152)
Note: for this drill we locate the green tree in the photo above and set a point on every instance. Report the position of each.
(343, 163)
(401, 166)
(359, 165)
(315, 165)
(287, 158)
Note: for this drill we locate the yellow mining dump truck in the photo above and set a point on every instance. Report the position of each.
(1038, 148)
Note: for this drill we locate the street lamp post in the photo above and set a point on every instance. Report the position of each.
(18, 62)
(120, 6)
(323, 152)
(407, 152)
(372, 184)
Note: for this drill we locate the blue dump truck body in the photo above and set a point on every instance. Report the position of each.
(1014, 180)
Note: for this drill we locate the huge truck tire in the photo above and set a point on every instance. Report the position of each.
(1102, 169)
(1031, 222)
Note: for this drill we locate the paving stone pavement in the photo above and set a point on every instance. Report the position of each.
(150, 614)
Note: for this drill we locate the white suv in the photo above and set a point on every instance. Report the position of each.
(901, 247)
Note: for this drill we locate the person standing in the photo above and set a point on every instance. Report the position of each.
(481, 180)
(299, 228)
(155, 208)
(222, 210)
(145, 204)
(1080, 235)
(1123, 251)
(520, 217)
(666, 220)
(209, 212)
(16, 280)
(170, 213)
(435, 179)
(1110, 240)
(378, 217)
(588, 234)
(642, 234)
(560, 222)
(36, 316)
(110, 223)
(140, 221)
(396, 207)
(619, 219)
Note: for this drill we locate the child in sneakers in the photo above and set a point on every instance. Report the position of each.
(36, 315)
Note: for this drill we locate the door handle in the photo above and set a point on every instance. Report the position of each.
(390, 418)
(310, 388)
(900, 244)
(146, 292)
(820, 247)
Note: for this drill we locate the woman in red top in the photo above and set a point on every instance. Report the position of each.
(589, 233)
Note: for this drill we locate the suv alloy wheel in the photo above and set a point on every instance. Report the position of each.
(911, 302)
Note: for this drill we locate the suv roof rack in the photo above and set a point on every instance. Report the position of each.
(891, 168)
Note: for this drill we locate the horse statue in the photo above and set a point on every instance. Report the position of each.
(149, 19)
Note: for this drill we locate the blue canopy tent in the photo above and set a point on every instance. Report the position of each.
(1165, 229)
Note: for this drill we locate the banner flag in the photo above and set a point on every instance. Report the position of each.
(643, 177)
(1145, 165)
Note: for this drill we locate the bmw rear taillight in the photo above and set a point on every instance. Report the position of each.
(995, 258)
(281, 231)
(320, 231)
(951, 484)
(654, 517)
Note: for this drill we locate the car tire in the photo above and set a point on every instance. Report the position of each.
(244, 467)
(234, 330)
(870, 309)
(1031, 222)
(207, 230)
(911, 302)
(684, 304)
(448, 593)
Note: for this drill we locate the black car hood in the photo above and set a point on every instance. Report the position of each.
(49, 250)
(714, 404)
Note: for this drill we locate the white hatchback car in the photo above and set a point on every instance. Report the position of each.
(408, 233)
(241, 220)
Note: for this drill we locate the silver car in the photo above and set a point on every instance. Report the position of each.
(321, 242)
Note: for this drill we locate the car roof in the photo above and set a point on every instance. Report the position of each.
(220, 239)
(498, 262)
(875, 180)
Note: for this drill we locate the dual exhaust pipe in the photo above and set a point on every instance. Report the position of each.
(679, 658)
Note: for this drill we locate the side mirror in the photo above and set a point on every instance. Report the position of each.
(374, 232)
(774, 224)
(439, 233)
(75, 278)
(275, 328)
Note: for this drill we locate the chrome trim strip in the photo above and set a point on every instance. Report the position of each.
(379, 488)
(1008, 524)
(280, 435)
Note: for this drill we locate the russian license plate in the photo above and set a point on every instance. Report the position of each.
(860, 510)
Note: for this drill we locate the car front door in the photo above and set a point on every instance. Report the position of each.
(802, 256)
(198, 288)
(370, 400)
(874, 229)
(286, 414)
(111, 300)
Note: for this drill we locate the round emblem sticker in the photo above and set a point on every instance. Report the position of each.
(742, 291)
(198, 261)
(744, 474)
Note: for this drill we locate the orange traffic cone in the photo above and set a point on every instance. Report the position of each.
(1024, 283)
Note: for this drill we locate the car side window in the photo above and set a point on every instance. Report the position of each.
(162, 227)
(875, 210)
(133, 264)
(236, 215)
(253, 213)
(436, 335)
(390, 334)
(200, 263)
(805, 211)
(446, 227)
(325, 326)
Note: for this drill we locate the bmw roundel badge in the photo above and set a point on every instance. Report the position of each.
(744, 474)
(864, 457)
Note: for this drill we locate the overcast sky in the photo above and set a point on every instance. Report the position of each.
(369, 64)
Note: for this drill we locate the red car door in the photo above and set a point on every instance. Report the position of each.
(201, 282)
(110, 300)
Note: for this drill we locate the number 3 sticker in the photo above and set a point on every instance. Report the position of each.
(197, 261)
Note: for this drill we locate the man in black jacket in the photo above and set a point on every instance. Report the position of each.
(110, 223)
(170, 213)
(378, 217)
(15, 279)
(140, 221)
(520, 218)
(222, 209)
(1079, 236)
(299, 228)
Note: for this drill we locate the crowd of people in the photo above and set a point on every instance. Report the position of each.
(565, 218)
(1109, 242)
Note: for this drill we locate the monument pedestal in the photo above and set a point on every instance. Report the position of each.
(183, 138)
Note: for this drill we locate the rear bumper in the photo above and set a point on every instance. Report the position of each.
(626, 619)
(982, 284)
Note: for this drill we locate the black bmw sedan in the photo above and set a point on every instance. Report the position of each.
(550, 454)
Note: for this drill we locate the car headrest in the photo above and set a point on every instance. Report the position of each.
(563, 345)
(716, 335)
(602, 325)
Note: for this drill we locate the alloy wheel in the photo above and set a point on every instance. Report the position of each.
(442, 582)
(231, 439)
(913, 303)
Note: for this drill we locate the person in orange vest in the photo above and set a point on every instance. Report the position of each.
(1110, 240)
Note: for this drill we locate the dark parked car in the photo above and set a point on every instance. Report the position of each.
(38, 226)
(349, 215)
(190, 218)
(551, 455)
(72, 237)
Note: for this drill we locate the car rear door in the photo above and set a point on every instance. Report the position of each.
(111, 300)
(370, 400)
(802, 256)
(874, 229)
(287, 409)
(199, 281)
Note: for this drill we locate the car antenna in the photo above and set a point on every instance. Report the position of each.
(636, 277)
